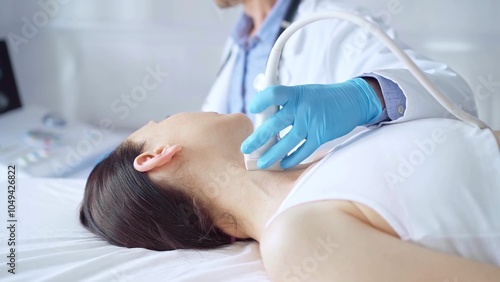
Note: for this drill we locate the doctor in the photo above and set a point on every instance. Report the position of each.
(334, 77)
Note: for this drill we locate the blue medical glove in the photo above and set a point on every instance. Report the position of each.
(318, 113)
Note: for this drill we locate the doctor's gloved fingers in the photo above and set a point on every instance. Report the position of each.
(268, 129)
(282, 148)
(302, 153)
(275, 95)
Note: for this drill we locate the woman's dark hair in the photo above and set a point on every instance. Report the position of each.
(127, 209)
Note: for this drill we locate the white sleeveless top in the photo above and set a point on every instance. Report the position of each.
(435, 181)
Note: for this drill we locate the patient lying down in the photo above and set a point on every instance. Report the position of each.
(421, 206)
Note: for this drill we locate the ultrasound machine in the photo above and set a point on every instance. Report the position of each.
(39, 143)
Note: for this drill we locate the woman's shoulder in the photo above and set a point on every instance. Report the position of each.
(310, 233)
(325, 211)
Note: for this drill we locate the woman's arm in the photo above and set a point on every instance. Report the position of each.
(318, 242)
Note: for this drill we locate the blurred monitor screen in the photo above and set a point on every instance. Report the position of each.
(9, 95)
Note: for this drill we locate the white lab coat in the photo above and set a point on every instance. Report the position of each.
(332, 51)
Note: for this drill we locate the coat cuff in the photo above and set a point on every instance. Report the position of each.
(395, 100)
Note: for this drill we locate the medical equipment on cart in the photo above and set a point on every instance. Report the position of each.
(269, 78)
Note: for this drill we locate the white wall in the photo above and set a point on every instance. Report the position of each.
(461, 33)
(92, 52)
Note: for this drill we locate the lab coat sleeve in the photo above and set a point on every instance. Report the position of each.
(216, 100)
(363, 53)
(421, 104)
(395, 100)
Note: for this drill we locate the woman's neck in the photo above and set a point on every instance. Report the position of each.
(250, 197)
(257, 10)
(267, 191)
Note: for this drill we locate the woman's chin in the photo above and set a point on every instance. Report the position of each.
(243, 124)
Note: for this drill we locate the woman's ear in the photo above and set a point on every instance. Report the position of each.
(158, 157)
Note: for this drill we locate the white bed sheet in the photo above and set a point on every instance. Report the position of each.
(51, 245)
